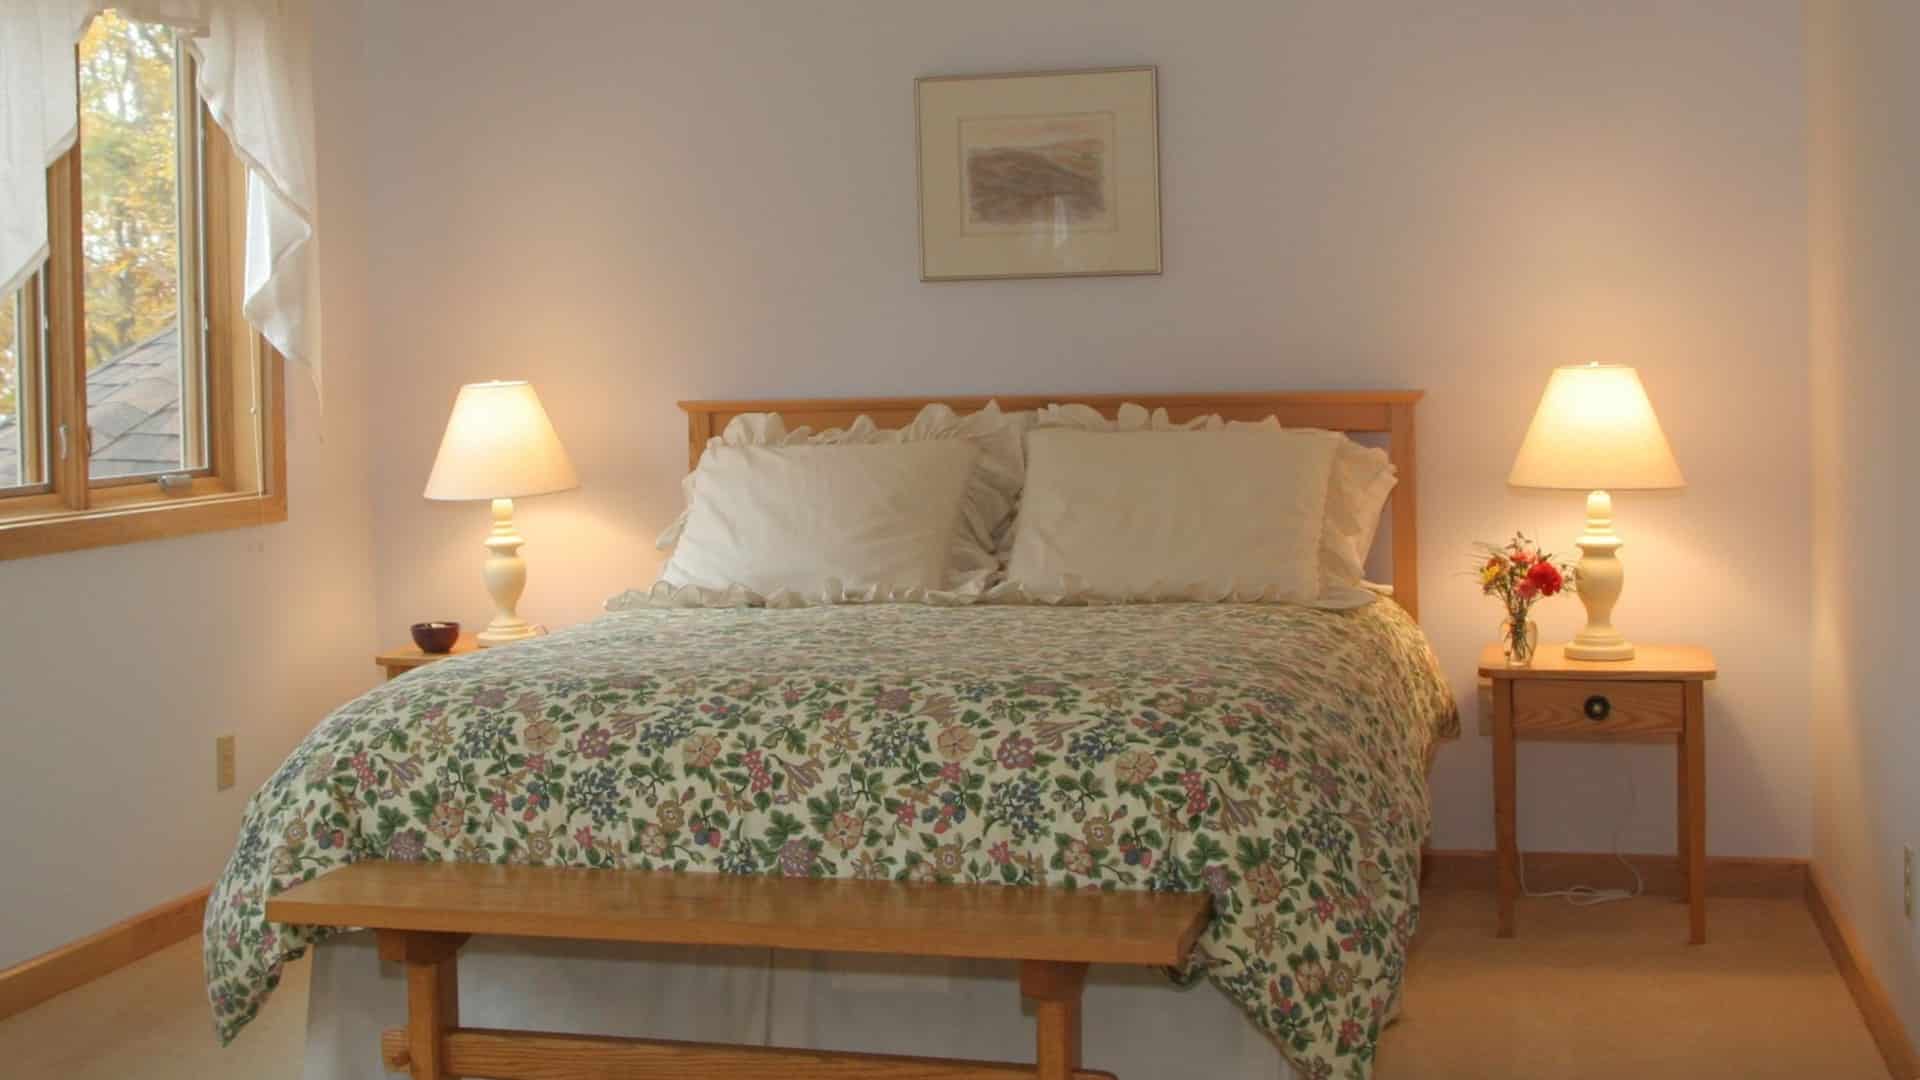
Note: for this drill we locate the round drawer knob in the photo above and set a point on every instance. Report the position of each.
(1598, 708)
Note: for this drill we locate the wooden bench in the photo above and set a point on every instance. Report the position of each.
(424, 912)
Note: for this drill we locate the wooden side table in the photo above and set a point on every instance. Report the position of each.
(398, 662)
(1658, 696)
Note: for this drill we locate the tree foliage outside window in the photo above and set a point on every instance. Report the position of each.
(130, 186)
(129, 182)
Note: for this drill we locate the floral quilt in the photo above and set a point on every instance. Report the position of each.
(1271, 755)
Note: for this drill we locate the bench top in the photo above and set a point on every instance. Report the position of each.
(827, 915)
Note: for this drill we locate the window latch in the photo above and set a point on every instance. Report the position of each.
(62, 432)
(176, 483)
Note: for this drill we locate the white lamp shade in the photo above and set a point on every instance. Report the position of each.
(499, 445)
(1595, 430)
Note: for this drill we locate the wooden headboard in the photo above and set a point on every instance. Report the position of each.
(1387, 412)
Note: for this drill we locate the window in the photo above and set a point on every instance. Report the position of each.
(21, 450)
(139, 186)
(134, 400)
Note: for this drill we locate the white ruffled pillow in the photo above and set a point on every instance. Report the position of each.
(1359, 482)
(854, 569)
(1171, 514)
(1363, 477)
(774, 518)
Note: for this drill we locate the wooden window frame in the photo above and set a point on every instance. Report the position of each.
(240, 485)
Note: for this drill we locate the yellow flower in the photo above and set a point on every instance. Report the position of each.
(1489, 574)
(1099, 834)
(1135, 767)
(701, 751)
(655, 841)
(846, 830)
(1341, 977)
(1267, 886)
(541, 736)
(956, 742)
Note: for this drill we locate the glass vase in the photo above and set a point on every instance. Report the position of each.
(1520, 636)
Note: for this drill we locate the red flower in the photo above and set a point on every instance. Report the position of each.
(1544, 578)
(1520, 556)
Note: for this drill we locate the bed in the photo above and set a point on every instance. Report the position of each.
(1272, 755)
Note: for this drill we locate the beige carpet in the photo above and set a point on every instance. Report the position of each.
(150, 1021)
(1614, 991)
(1608, 992)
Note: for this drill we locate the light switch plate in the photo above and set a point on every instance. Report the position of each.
(223, 763)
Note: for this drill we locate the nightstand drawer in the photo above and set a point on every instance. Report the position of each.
(1598, 709)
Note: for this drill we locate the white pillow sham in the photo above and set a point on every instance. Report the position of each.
(985, 515)
(818, 519)
(1145, 514)
(1361, 479)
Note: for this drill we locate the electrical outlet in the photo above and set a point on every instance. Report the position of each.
(223, 762)
(1909, 881)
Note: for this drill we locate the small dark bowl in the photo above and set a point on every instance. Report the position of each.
(436, 637)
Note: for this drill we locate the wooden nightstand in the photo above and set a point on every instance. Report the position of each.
(402, 660)
(1658, 696)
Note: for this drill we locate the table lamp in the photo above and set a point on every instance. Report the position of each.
(1595, 432)
(500, 445)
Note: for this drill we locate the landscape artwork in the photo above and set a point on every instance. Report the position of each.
(1031, 173)
(1039, 174)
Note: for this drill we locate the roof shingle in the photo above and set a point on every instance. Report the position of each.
(133, 407)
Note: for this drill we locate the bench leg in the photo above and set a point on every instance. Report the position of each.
(433, 995)
(1055, 990)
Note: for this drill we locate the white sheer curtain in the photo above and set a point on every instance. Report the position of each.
(256, 73)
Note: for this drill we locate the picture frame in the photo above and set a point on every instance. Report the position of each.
(1039, 174)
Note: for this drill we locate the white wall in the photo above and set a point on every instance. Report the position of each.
(634, 203)
(630, 203)
(1865, 103)
(119, 666)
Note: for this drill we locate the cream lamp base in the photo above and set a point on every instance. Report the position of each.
(1598, 579)
(506, 576)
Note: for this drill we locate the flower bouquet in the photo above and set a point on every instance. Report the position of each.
(1519, 573)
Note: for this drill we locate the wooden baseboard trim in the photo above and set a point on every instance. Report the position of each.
(1727, 876)
(1869, 994)
(54, 973)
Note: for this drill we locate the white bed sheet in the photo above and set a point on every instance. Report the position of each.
(1137, 1024)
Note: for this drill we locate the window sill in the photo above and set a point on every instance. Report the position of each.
(36, 532)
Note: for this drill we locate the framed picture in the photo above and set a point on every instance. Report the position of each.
(1048, 174)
